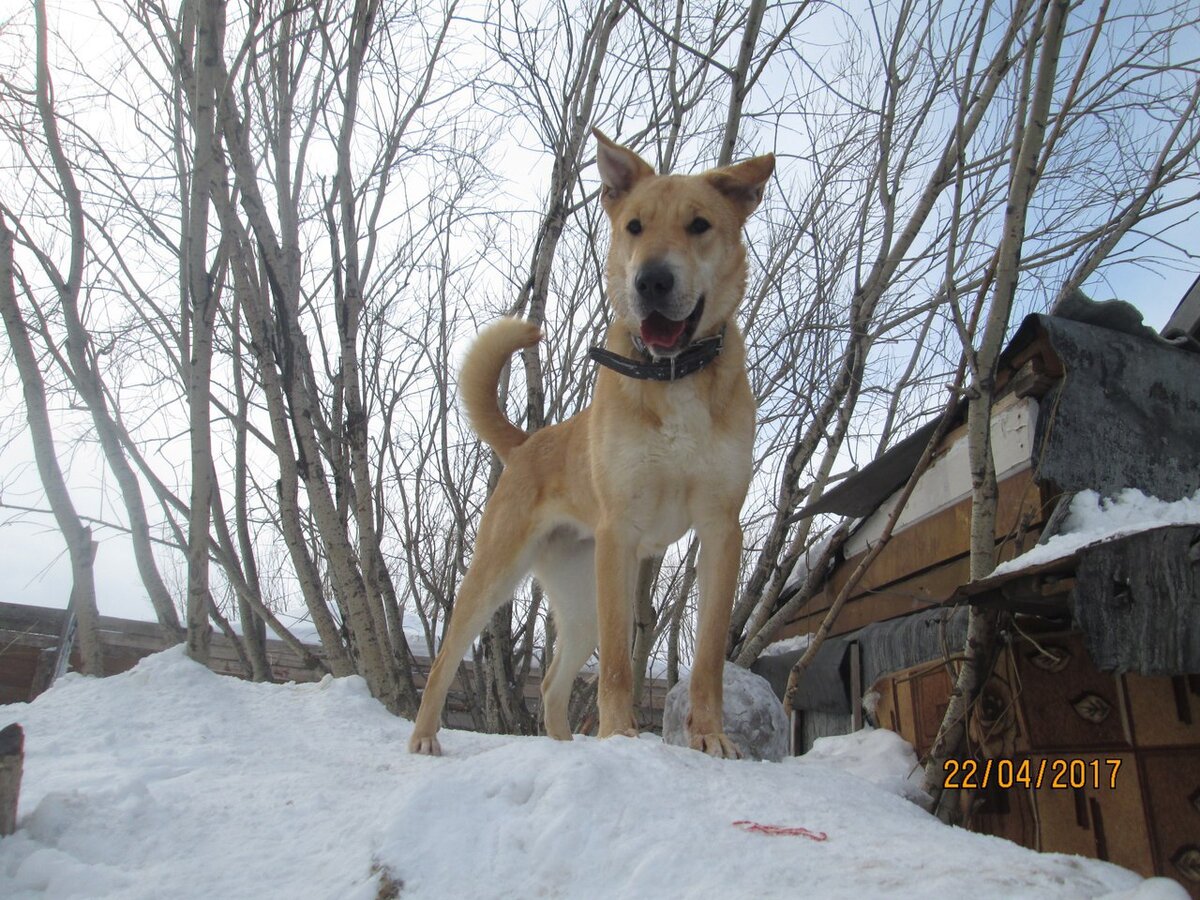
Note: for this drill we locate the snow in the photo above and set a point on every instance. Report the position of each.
(1093, 519)
(793, 644)
(171, 780)
(876, 755)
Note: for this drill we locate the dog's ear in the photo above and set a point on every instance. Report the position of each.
(743, 182)
(620, 169)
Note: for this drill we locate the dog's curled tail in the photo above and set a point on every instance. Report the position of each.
(480, 380)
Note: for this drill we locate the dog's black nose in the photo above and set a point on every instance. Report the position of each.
(655, 282)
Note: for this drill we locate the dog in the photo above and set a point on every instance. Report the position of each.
(665, 446)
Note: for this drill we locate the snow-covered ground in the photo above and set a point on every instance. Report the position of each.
(1093, 519)
(170, 781)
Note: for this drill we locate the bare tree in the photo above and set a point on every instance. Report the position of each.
(80, 546)
(982, 625)
(81, 362)
(924, 151)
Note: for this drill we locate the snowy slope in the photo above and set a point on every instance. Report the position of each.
(171, 781)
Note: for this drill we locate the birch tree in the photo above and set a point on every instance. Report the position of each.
(1029, 133)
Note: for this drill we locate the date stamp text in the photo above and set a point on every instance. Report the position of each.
(1057, 774)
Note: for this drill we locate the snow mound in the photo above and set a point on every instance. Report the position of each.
(169, 780)
(1093, 519)
(876, 755)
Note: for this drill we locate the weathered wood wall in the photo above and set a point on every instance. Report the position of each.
(29, 636)
(925, 564)
(1047, 705)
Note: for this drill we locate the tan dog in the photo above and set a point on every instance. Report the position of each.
(582, 502)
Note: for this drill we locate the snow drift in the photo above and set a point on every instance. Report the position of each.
(172, 781)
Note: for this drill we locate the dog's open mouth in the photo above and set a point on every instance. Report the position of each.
(666, 337)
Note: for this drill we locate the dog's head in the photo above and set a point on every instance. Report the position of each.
(676, 265)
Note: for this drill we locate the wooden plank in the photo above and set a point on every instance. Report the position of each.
(37, 619)
(17, 667)
(911, 595)
(1095, 820)
(1164, 711)
(12, 760)
(1169, 779)
(10, 639)
(944, 536)
(876, 602)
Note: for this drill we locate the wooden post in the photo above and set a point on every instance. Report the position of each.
(856, 688)
(12, 757)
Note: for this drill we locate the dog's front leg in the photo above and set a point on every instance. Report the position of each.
(720, 554)
(616, 575)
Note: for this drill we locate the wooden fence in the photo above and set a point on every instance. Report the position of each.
(30, 635)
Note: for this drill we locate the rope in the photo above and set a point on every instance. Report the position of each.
(795, 831)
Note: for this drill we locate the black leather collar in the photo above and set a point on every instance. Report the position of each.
(672, 368)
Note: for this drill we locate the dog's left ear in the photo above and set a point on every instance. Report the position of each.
(620, 169)
(743, 182)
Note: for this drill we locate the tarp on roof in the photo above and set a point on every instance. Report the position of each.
(861, 494)
(922, 637)
(825, 685)
(1127, 413)
(1135, 597)
(884, 647)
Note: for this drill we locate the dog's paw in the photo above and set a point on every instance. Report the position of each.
(622, 732)
(628, 731)
(715, 744)
(424, 746)
(620, 723)
(619, 729)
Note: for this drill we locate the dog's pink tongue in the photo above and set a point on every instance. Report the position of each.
(659, 331)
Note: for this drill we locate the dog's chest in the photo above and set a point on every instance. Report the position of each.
(676, 439)
(668, 468)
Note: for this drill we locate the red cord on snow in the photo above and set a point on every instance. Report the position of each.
(797, 831)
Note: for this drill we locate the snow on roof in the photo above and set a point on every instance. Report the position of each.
(1094, 519)
(787, 645)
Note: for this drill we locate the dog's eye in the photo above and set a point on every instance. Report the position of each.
(634, 226)
(698, 225)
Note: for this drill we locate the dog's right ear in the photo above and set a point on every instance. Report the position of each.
(620, 169)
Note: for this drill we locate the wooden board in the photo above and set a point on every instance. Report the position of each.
(1164, 711)
(913, 702)
(923, 565)
(944, 536)
(1172, 785)
(1099, 822)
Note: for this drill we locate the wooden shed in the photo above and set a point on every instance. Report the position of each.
(1098, 685)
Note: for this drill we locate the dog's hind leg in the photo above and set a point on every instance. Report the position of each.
(503, 552)
(566, 569)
